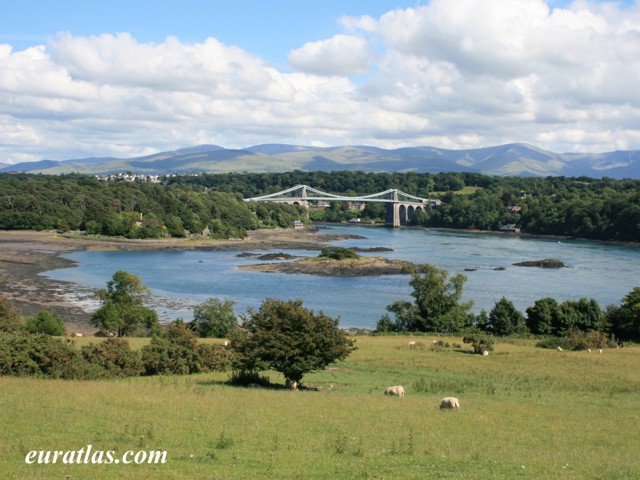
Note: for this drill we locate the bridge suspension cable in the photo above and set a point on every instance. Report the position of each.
(388, 196)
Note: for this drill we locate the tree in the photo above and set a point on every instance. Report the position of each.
(286, 337)
(405, 318)
(505, 319)
(437, 303)
(122, 309)
(481, 342)
(45, 322)
(625, 319)
(543, 317)
(213, 318)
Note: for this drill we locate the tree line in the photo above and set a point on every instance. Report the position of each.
(437, 308)
(599, 209)
(584, 207)
(132, 209)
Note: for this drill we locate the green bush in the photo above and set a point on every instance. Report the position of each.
(46, 322)
(245, 377)
(115, 357)
(213, 358)
(10, 320)
(480, 342)
(166, 357)
(338, 253)
(176, 353)
(24, 354)
(554, 343)
(580, 340)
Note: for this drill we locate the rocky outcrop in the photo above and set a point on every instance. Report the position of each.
(340, 268)
(545, 263)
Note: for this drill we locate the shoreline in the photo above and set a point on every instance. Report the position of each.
(25, 255)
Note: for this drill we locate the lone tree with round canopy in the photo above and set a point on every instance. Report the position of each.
(288, 338)
(122, 310)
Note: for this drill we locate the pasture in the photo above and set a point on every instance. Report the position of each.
(525, 413)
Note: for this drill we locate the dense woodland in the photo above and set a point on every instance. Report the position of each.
(602, 209)
(131, 209)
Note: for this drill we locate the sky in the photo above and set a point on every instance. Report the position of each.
(127, 78)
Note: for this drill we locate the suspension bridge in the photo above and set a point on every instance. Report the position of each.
(401, 207)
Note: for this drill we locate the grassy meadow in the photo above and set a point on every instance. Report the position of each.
(525, 413)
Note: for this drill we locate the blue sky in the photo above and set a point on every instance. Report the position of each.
(124, 78)
(268, 28)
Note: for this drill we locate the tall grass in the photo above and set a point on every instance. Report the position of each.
(525, 413)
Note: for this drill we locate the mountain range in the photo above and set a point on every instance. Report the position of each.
(515, 159)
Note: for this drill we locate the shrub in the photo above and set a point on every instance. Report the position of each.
(23, 354)
(480, 342)
(339, 253)
(115, 357)
(172, 354)
(10, 320)
(46, 322)
(213, 358)
(242, 377)
(166, 357)
(554, 343)
(580, 340)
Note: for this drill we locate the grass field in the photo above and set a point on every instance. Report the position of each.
(525, 413)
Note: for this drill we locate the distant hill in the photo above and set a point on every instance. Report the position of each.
(504, 160)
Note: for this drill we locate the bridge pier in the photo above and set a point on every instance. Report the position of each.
(393, 215)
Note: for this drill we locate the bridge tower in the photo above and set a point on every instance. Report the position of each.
(393, 211)
(302, 195)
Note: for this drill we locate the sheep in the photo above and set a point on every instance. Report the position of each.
(396, 390)
(411, 344)
(226, 343)
(560, 349)
(589, 350)
(600, 350)
(485, 353)
(449, 403)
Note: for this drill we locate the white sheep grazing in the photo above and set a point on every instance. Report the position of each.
(397, 390)
(226, 343)
(449, 403)
(589, 350)
(600, 350)
(560, 349)
(411, 344)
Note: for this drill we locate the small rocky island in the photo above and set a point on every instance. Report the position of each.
(337, 261)
(545, 263)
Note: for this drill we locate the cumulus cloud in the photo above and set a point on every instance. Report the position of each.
(458, 74)
(341, 55)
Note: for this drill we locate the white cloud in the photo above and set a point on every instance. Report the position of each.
(341, 55)
(451, 74)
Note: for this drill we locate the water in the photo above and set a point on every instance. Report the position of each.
(180, 280)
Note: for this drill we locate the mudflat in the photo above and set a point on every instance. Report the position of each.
(26, 254)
